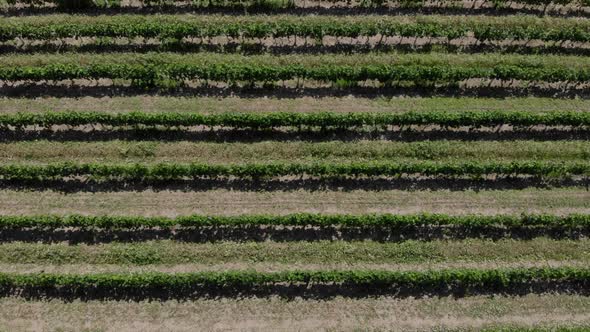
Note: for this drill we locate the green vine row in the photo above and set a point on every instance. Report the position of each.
(185, 285)
(170, 28)
(173, 171)
(447, 119)
(154, 74)
(302, 219)
(287, 4)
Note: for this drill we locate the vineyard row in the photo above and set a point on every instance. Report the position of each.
(173, 171)
(447, 119)
(169, 29)
(290, 4)
(303, 219)
(155, 74)
(187, 285)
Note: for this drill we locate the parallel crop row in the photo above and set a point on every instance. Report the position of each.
(171, 171)
(150, 75)
(149, 285)
(302, 219)
(225, 4)
(168, 27)
(273, 5)
(472, 119)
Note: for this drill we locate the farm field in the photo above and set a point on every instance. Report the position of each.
(294, 165)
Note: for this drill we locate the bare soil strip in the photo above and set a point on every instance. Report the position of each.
(275, 314)
(232, 202)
